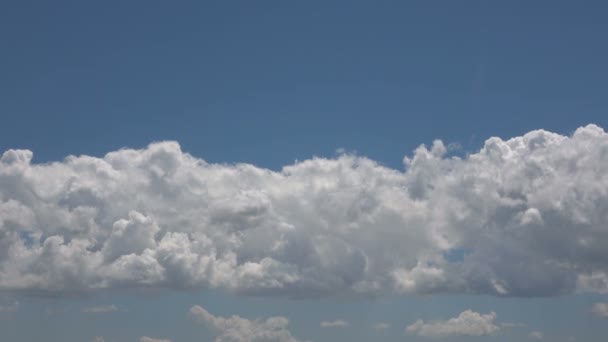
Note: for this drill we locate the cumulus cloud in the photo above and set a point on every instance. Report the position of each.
(100, 309)
(238, 329)
(468, 323)
(600, 309)
(536, 335)
(150, 339)
(521, 217)
(334, 324)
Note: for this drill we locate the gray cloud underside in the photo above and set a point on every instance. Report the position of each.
(522, 217)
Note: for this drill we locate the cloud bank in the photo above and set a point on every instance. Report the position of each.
(521, 217)
(238, 329)
(468, 323)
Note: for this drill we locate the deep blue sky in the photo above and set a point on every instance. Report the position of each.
(269, 82)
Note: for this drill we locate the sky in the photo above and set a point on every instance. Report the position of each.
(284, 171)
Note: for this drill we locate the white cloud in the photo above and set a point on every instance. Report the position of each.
(101, 309)
(600, 309)
(381, 326)
(12, 307)
(150, 339)
(98, 339)
(536, 335)
(468, 323)
(524, 216)
(238, 329)
(334, 324)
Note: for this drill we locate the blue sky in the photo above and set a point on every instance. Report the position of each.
(276, 83)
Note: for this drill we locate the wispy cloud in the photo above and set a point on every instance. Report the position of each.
(334, 324)
(13, 307)
(101, 309)
(381, 326)
(536, 335)
(150, 339)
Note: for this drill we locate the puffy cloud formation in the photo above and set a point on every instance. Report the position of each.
(600, 309)
(238, 329)
(468, 323)
(334, 324)
(536, 335)
(521, 217)
(101, 309)
(150, 339)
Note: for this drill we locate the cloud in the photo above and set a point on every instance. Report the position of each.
(468, 323)
(520, 217)
(98, 339)
(101, 309)
(238, 329)
(13, 307)
(381, 326)
(600, 309)
(536, 335)
(334, 324)
(150, 339)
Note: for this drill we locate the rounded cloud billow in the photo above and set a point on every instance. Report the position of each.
(522, 217)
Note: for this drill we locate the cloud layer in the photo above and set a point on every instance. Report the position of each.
(238, 329)
(521, 217)
(468, 323)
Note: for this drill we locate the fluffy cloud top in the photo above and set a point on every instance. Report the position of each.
(238, 329)
(600, 309)
(521, 217)
(334, 324)
(468, 323)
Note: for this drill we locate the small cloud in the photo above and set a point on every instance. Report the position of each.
(600, 309)
(381, 326)
(239, 329)
(14, 307)
(101, 309)
(150, 339)
(536, 335)
(98, 339)
(468, 323)
(334, 324)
